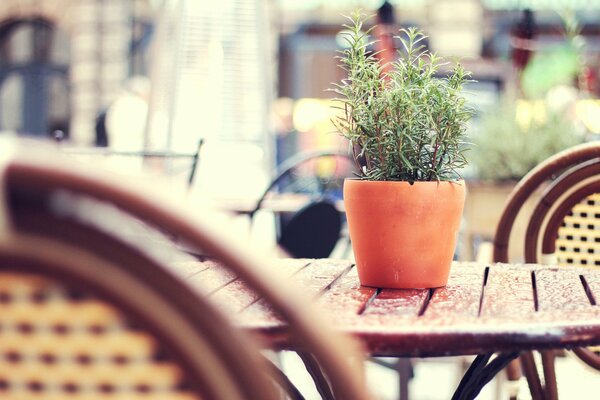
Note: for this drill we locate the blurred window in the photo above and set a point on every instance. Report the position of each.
(34, 56)
(11, 100)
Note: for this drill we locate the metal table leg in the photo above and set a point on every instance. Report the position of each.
(481, 372)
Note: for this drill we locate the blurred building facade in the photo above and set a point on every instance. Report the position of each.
(62, 62)
(216, 71)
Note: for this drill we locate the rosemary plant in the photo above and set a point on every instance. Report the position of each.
(408, 124)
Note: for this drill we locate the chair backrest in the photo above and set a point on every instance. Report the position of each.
(85, 312)
(305, 165)
(561, 228)
(169, 160)
(313, 230)
(61, 338)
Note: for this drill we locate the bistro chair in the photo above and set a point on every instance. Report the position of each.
(316, 228)
(87, 313)
(171, 160)
(563, 229)
(317, 177)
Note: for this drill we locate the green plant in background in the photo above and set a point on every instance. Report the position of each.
(517, 136)
(406, 125)
(520, 133)
(555, 65)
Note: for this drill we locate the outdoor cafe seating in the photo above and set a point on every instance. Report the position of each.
(272, 200)
(561, 231)
(88, 313)
(89, 310)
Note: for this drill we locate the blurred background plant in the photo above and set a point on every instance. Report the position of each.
(559, 64)
(542, 115)
(518, 135)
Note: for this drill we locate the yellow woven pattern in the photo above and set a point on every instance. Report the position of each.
(58, 344)
(578, 241)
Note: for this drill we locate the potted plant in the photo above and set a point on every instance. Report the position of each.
(406, 128)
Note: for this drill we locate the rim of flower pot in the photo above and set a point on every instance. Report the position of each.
(460, 182)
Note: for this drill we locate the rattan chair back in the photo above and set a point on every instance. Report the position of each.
(148, 334)
(561, 231)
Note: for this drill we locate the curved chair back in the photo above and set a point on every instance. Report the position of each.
(90, 313)
(561, 230)
(292, 165)
(563, 174)
(314, 230)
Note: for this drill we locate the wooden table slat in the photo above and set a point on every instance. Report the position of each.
(456, 319)
(460, 298)
(314, 280)
(291, 266)
(347, 298)
(560, 291)
(592, 278)
(211, 278)
(320, 274)
(508, 293)
(188, 268)
(394, 303)
(235, 296)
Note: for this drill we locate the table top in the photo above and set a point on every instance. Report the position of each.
(484, 308)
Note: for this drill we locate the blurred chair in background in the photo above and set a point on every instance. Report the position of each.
(313, 231)
(165, 159)
(318, 227)
(315, 179)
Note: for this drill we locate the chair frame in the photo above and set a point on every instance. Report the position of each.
(166, 155)
(574, 174)
(571, 187)
(285, 169)
(529, 184)
(199, 337)
(38, 172)
(292, 163)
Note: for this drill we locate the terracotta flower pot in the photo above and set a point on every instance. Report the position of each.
(403, 235)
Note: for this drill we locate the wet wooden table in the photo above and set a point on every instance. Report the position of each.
(497, 309)
(483, 309)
